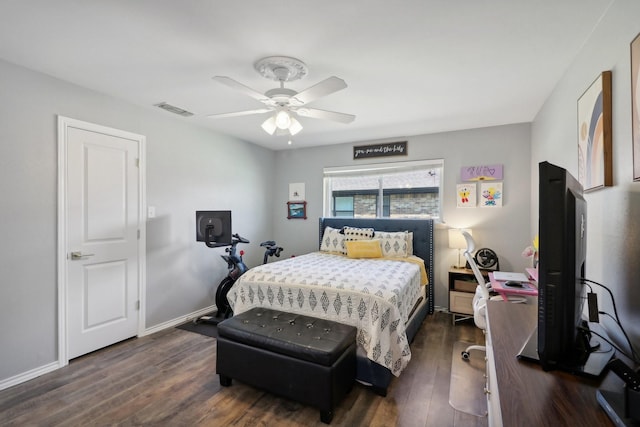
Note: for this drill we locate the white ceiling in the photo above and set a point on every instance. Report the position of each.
(412, 67)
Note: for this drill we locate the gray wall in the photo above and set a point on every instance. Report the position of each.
(188, 168)
(614, 212)
(506, 145)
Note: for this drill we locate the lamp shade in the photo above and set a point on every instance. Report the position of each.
(456, 239)
(295, 126)
(269, 125)
(281, 123)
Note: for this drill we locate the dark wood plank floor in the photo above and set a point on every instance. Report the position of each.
(168, 379)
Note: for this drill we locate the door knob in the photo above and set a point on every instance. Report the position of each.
(79, 255)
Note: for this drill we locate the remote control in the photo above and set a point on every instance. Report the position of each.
(628, 375)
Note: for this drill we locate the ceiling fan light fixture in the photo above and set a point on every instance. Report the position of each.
(275, 125)
(295, 126)
(269, 125)
(283, 120)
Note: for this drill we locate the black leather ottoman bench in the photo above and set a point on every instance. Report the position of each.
(309, 360)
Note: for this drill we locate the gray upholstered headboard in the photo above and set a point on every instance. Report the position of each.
(422, 238)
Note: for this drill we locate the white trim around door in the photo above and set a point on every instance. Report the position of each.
(64, 126)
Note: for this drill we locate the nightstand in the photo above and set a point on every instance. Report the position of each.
(462, 288)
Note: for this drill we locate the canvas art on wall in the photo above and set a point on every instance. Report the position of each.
(491, 195)
(466, 195)
(481, 173)
(594, 134)
(296, 191)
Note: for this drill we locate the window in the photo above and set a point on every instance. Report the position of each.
(388, 190)
(343, 205)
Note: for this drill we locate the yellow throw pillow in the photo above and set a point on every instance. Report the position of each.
(363, 248)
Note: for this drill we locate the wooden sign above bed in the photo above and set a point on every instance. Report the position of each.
(380, 150)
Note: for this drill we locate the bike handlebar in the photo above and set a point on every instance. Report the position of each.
(239, 239)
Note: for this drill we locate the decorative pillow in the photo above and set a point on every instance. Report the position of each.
(332, 241)
(394, 244)
(354, 233)
(409, 243)
(363, 248)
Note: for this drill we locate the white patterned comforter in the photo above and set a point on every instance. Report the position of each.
(375, 295)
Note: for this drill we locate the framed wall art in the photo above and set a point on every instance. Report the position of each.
(491, 195)
(380, 150)
(296, 210)
(296, 191)
(594, 135)
(635, 105)
(481, 173)
(466, 195)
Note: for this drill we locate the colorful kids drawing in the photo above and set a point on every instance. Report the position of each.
(492, 195)
(466, 195)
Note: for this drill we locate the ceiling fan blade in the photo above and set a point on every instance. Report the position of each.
(240, 113)
(228, 81)
(325, 87)
(325, 115)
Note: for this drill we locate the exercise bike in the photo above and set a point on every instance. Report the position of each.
(271, 249)
(237, 268)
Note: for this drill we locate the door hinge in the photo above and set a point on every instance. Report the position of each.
(137, 163)
(138, 234)
(138, 305)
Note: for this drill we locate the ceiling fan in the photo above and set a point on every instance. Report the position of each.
(286, 103)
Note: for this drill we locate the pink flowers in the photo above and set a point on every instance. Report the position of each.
(532, 251)
(528, 252)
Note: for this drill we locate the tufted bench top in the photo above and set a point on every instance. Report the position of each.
(308, 338)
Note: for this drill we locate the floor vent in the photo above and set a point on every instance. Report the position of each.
(173, 109)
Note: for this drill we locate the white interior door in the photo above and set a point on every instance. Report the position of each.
(103, 230)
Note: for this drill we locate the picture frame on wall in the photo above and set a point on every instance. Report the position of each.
(296, 210)
(594, 135)
(491, 194)
(466, 195)
(635, 105)
(296, 191)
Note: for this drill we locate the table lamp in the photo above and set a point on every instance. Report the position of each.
(457, 241)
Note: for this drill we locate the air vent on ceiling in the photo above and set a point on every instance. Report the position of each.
(174, 109)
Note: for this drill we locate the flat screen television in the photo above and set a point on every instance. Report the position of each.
(213, 228)
(563, 339)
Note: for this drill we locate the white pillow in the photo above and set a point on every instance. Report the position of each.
(394, 244)
(355, 233)
(332, 241)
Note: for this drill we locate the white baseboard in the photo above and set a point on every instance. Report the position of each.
(178, 320)
(29, 375)
(34, 373)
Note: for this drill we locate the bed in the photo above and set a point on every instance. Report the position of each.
(384, 297)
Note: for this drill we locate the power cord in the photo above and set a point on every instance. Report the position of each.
(634, 355)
